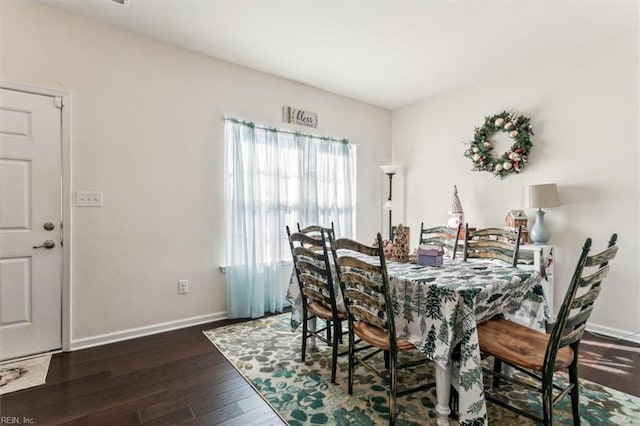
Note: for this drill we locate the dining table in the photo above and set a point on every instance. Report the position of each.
(437, 308)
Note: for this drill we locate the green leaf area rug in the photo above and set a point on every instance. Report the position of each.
(268, 355)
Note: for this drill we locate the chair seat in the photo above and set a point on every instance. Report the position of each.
(325, 313)
(378, 337)
(519, 345)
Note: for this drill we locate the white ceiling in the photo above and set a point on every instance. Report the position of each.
(386, 53)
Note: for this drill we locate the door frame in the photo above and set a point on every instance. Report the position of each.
(67, 198)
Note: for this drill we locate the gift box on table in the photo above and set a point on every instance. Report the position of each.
(430, 255)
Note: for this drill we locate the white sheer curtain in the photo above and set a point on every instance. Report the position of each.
(275, 178)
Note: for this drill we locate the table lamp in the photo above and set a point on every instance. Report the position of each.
(539, 197)
(390, 170)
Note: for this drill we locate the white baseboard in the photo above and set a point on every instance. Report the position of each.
(614, 333)
(103, 339)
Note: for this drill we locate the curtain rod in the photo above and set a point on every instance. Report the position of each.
(281, 130)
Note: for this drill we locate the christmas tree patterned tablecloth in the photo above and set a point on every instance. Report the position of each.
(438, 309)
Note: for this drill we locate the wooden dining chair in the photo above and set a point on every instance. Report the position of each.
(492, 243)
(314, 232)
(365, 288)
(448, 238)
(540, 355)
(311, 262)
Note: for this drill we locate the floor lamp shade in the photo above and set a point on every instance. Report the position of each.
(390, 168)
(539, 197)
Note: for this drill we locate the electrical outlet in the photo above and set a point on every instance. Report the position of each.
(183, 286)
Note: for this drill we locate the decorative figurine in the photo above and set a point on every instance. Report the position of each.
(455, 210)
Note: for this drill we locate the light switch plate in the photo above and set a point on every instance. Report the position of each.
(88, 199)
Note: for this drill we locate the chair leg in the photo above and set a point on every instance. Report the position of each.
(386, 359)
(329, 325)
(575, 392)
(351, 360)
(305, 326)
(547, 399)
(392, 388)
(454, 403)
(334, 353)
(497, 368)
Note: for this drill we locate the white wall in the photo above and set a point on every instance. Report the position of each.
(585, 116)
(148, 132)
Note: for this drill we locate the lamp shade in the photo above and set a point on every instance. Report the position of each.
(391, 169)
(540, 196)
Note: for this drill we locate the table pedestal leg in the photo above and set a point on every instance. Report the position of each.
(443, 391)
(311, 324)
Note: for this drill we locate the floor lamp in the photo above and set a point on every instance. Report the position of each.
(390, 170)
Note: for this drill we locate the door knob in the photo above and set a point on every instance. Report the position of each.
(49, 244)
(49, 226)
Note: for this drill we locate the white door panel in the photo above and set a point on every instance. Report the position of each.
(15, 201)
(30, 196)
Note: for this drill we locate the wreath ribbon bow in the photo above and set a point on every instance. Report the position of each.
(512, 161)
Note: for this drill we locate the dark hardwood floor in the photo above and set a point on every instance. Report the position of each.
(179, 377)
(614, 363)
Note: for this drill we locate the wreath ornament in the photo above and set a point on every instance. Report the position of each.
(512, 161)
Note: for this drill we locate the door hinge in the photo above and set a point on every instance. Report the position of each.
(59, 102)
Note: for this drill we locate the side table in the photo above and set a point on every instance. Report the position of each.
(544, 262)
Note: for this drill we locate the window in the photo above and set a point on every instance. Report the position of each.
(276, 178)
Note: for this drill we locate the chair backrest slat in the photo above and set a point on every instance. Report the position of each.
(364, 314)
(352, 262)
(494, 233)
(579, 318)
(595, 278)
(362, 297)
(358, 280)
(491, 249)
(314, 294)
(314, 230)
(307, 242)
(527, 257)
(573, 337)
(491, 256)
(602, 257)
(306, 267)
(586, 299)
(347, 244)
(359, 288)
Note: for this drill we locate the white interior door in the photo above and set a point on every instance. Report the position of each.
(30, 222)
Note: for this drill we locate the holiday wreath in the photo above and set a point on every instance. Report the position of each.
(512, 161)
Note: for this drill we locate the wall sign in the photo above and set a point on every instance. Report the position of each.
(299, 117)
